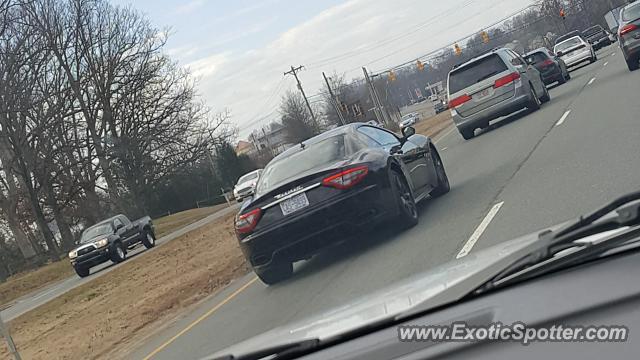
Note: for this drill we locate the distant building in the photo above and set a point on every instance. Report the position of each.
(244, 148)
(271, 138)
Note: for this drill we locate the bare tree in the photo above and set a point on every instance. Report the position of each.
(296, 118)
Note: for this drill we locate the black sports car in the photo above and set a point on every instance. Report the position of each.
(331, 186)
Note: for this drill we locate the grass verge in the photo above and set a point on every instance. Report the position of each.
(104, 318)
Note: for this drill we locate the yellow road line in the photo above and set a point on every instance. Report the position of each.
(198, 320)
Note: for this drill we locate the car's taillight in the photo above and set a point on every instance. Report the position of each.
(547, 62)
(459, 101)
(506, 80)
(346, 179)
(247, 222)
(628, 28)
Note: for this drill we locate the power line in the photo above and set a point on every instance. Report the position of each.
(382, 43)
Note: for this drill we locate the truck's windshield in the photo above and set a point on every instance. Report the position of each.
(95, 231)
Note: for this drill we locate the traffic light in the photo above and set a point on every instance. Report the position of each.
(562, 14)
(457, 49)
(485, 37)
(420, 65)
(392, 76)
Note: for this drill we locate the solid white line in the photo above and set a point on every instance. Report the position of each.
(563, 118)
(606, 63)
(592, 80)
(479, 230)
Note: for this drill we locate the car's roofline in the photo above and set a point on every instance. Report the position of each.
(541, 49)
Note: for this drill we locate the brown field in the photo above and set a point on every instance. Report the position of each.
(89, 322)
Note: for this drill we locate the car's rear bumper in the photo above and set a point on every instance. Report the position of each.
(631, 50)
(577, 59)
(93, 258)
(304, 234)
(480, 119)
(552, 75)
(602, 42)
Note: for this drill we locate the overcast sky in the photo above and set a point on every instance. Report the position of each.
(239, 49)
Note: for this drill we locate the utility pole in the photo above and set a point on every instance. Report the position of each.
(334, 100)
(381, 113)
(4, 331)
(294, 72)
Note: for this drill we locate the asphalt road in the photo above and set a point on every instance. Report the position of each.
(527, 172)
(42, 296)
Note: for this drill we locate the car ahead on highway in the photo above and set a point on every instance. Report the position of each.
(440, 106)
(552, 68)
(629, 35)
(490, 86)
(334, 185)
(408, 120)
(567, 36)
(246, 185)
(577, 275)
(109, 240)
(575, 51)
(597, 36)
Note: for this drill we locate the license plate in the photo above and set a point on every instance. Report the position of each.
(294, 204)
(482, 94)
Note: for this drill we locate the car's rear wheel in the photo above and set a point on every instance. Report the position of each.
(81, 271)
(275, 273)
(467, 134)
(149, 240)
(443, 180)
(545, 98)
(534, 101)
(118, 255)
(594, 58)
(633, 64)
(407, 209)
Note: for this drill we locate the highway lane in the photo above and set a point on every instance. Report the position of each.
(537, 170)
(42, 296)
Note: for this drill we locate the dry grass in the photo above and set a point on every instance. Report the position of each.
(434, 125)
(170, 223)
(29, 281)
(90, 321)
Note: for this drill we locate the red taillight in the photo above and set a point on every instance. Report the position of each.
(459, 101)
(347, 178)
(547, 62)
(628, 28)
(507, 79)
(247, 222)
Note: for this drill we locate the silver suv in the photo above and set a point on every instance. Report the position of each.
(490, 86)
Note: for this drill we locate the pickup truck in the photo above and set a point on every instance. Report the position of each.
(109, 240)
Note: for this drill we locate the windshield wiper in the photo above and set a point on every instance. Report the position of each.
(279, 351)
(551, 243)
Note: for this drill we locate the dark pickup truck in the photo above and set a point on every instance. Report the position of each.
(109, 240)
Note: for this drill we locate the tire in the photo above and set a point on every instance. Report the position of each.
(568, 75)
(594, 58)
(534, 101)
(467, 134)
(545, 98)
(275, 273)
(443, 180)
(407, 209)
(149, 240)
(633, 64)
(118, 255)
(81, 271)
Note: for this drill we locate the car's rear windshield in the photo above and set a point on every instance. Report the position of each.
(631, 13)
(247, 177)
(475, 72)
(536, 57)
(567, 44)
(313, 155)
(95, 231)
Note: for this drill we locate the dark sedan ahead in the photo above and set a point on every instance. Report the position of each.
(551, 67)
(334, 185)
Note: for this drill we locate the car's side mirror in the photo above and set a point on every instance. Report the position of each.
(559, 53)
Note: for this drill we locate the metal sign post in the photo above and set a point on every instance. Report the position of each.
(12, 346)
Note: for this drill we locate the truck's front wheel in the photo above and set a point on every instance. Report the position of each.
(81, 271)
(149, 240)
(118, 255)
